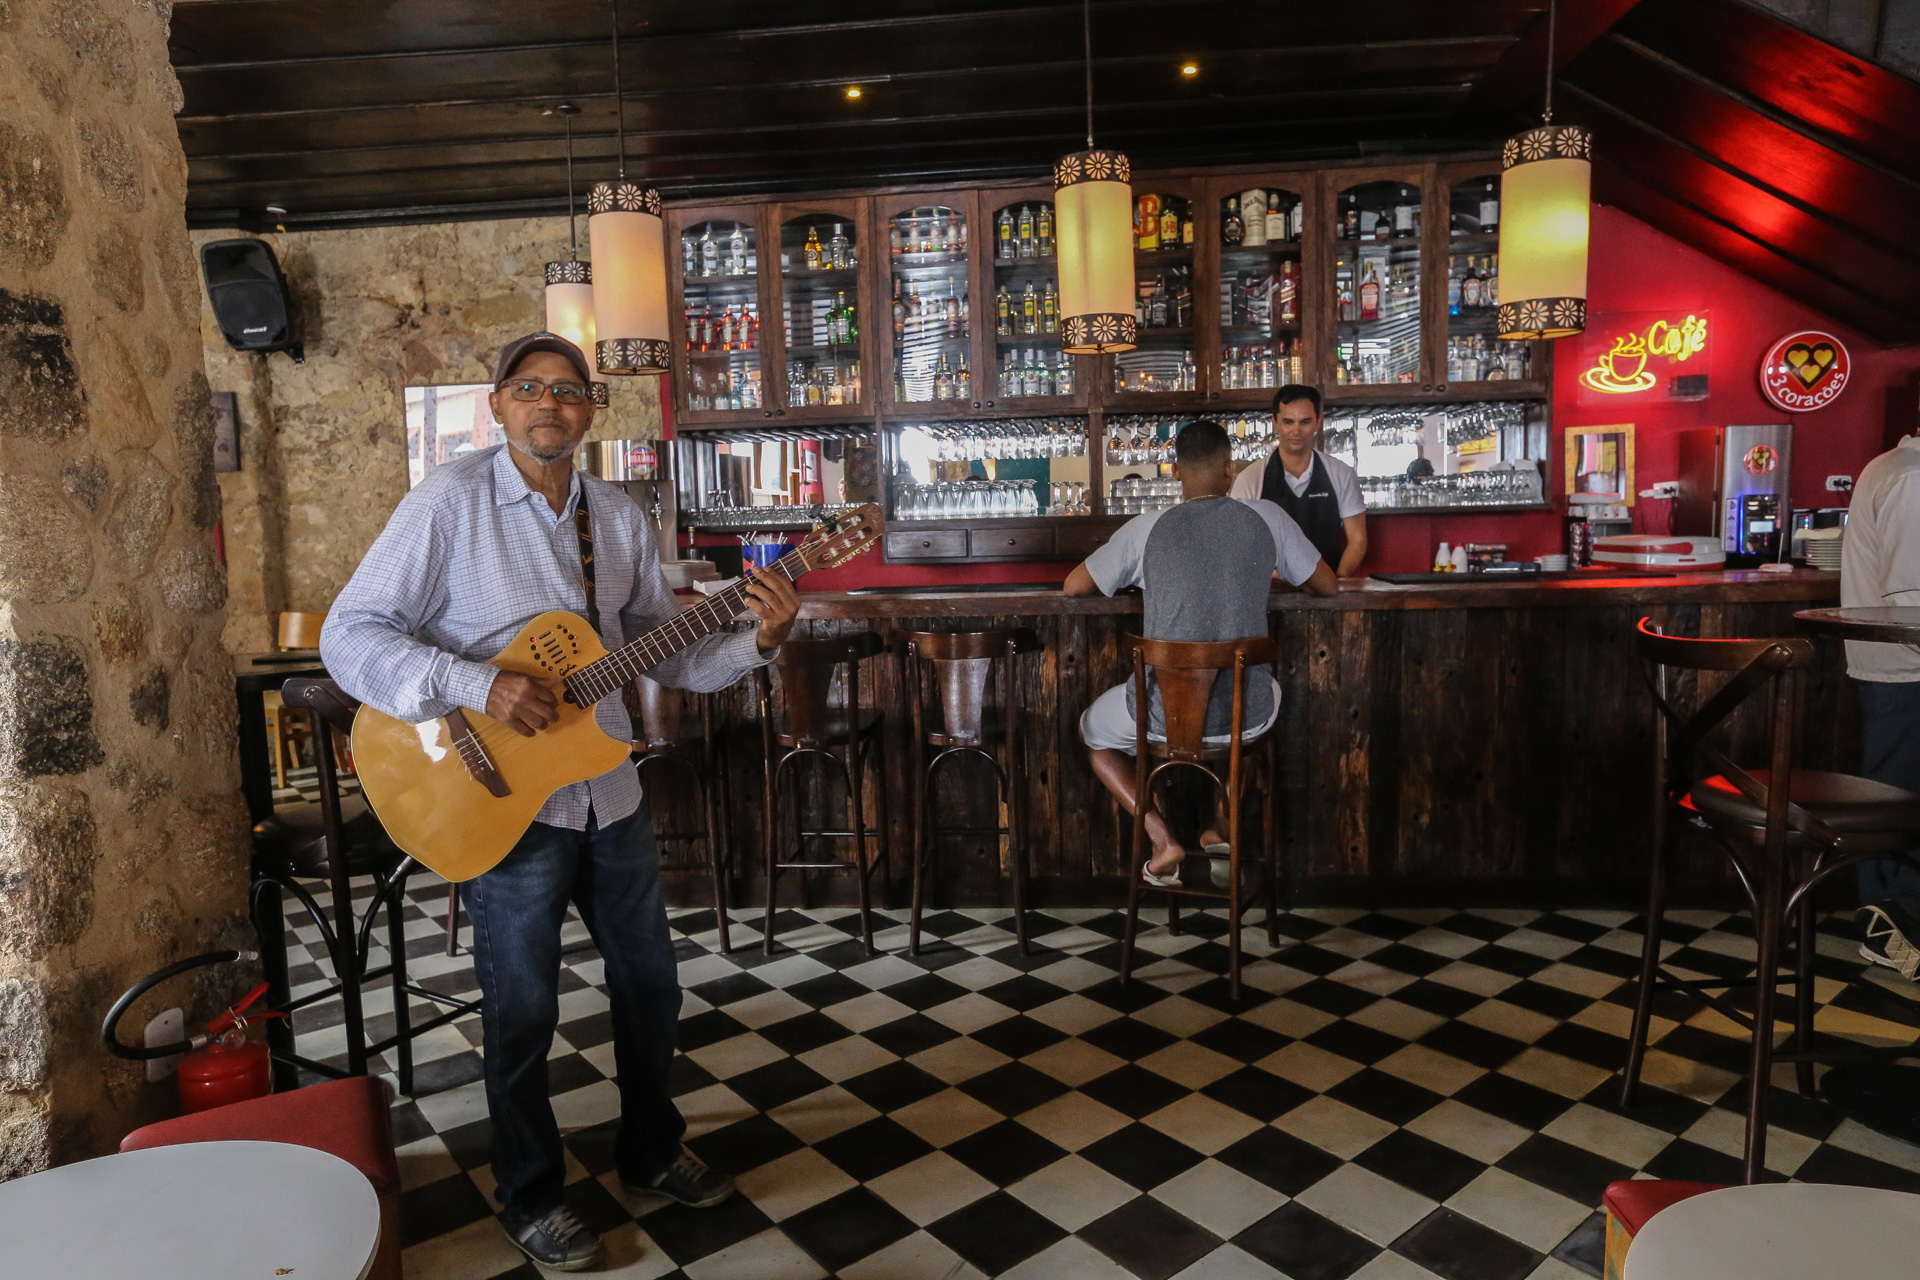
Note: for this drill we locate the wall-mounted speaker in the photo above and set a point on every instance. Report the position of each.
(249, 295)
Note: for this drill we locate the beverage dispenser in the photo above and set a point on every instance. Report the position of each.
(1735, 483)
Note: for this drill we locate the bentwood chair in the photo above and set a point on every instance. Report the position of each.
(959, 665)
(1185, 673)
(812, 728)
(668, 743)
(1783, 830)
(337, 839)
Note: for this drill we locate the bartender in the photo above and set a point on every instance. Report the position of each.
(1321, 493)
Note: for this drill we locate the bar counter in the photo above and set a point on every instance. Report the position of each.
(1466, 741)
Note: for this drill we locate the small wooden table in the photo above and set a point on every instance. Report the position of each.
(198, 1211)
(254, 676)
(1888, 624)
(1781, 1231)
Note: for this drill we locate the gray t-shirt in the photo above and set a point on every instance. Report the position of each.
(1206, 569)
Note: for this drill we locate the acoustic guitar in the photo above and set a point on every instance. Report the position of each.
(458, 792)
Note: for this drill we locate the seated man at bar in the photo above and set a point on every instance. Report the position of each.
(1880, 566)
(1319, 491)
(1205, 569)
(482, 546)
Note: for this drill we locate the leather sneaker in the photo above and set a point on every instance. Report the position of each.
(559, 1240)
(688, 1181)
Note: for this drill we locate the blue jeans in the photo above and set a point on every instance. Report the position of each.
(612, 874)
(1890, 753)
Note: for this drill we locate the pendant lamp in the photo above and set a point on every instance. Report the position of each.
(629, 261)
(1093, 230)
(570, 282)
(1545, 215)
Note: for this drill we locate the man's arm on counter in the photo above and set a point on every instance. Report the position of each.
(1356, 530)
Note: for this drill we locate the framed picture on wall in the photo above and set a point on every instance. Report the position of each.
(1600, 464)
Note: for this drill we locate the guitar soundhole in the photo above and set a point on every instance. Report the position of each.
(556, 650)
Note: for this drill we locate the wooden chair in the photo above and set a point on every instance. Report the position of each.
(336, 839)
(285, 732)
(300, 630)
(812, 728)
(961, 665)
(1185, 673)
(666, 742)
(1782, 842)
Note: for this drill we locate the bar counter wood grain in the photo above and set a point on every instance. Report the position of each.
(1472, 742)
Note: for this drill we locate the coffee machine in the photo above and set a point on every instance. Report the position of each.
(1735, 483)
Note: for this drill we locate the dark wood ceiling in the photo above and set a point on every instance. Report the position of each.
(1781, 155)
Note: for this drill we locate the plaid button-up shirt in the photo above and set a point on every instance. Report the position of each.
(472, 555)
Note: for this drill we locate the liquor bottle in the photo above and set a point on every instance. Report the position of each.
(963, 381)
(1186, 228)
(688, 252)
(1169, 226)
(966, 316)
(1490, 211)
(1370, 294)
(1043, 231)
(1296, 364)
(753, 335)
(1003, 313)
(1181, 311)
(1023, 233)
(899, 314)
(837, 247)
(1003, 233)
(1267, 368)
(1344, 294)
(894, 244)
(1050, 309)
(1232, 230)
(942, 379)
(1403, 217)
(940, 233)
(1189, 376)
(706, 329)
(709, 254)
(1289, 292)
(810, 252)
(849, 324)
(1063, 385)
(1490, 284)
(952, 311)
(693, 330)
(1349, 227)
(1297, 221)
(737, 253)
(1470, 287)
(1146, 223)
(1453, 288)
(1157, 304)
(958, 241)
(1276, 219)
(1029, 317)
(726, 329)
(916, 311)
(1341, 374)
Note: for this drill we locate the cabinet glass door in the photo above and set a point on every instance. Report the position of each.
(932, 310)
(1474, 353)
(719, 265)
(1376, 284)
(1028, 362)
(1164, 298)
(1259, 289)
(820, 309)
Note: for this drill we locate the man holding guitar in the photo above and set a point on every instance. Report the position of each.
(484, 545)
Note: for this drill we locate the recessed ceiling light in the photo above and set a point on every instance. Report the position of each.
(853, 91)
(1189, 68)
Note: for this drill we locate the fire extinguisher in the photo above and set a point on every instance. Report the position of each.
(220, 1066)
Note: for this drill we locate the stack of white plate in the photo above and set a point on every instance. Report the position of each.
(683, 574)
(1823, 547)
(1552, 564)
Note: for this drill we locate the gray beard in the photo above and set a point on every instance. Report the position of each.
(543, 457)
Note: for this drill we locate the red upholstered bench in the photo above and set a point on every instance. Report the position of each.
(1630, 1204)
(346, 1118)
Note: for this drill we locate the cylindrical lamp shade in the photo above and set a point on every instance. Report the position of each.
(1093, 229)
(1545, 212)
(629, 278)
(570, 312)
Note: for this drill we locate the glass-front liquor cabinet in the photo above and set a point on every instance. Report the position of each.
(720, 271)
(1474, 350)
(1376, 283)
(929, 250)
(821, 308)
(1165, 295)
(1030, 372)
(1260, 296)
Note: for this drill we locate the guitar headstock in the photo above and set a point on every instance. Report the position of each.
(846, 536)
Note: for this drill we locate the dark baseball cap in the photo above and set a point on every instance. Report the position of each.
(520, 348)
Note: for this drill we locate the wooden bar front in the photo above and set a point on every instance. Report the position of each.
(1474, 743)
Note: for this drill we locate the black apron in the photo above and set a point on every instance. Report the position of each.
(1317, 511)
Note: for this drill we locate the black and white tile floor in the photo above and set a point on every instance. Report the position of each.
(1399, 1095)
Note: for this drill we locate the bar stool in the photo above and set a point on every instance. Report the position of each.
(1185, 673)
(1782, 842)
(665, 743)
(961, 664)
(812, 727)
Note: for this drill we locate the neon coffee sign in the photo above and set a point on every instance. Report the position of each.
(1621, 366)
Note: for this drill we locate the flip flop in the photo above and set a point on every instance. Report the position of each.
(1219, 850)
(1160, 882)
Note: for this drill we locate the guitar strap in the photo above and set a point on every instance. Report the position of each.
(583, 527)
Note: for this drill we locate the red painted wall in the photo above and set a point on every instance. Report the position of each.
(1633, 268)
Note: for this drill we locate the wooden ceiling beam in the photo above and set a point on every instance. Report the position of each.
(1517, 82)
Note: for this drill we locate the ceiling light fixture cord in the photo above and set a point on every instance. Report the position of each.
(619, 98)
(573, 237)
(1552, 10)
(1086, 18)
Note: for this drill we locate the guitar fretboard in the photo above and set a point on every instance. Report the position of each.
(598, 679)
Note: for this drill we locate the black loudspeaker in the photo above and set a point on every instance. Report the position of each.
(249, 295)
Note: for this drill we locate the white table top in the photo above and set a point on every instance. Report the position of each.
(198, 1211)
(1781, 1231)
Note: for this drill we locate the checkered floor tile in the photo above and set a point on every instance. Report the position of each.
(1398, 1095)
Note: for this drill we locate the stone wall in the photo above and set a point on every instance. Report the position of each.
(323, 443)
(122, 839)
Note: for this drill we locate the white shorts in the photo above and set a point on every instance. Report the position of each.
(1106, 726)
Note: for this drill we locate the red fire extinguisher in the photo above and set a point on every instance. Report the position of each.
(220, 1066)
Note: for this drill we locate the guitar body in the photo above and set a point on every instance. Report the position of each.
(431, 804)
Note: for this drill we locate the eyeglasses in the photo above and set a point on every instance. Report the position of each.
(532, 390)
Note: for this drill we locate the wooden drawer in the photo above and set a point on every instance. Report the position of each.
(931, 544)
(1080, 543)
(1009, 544)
